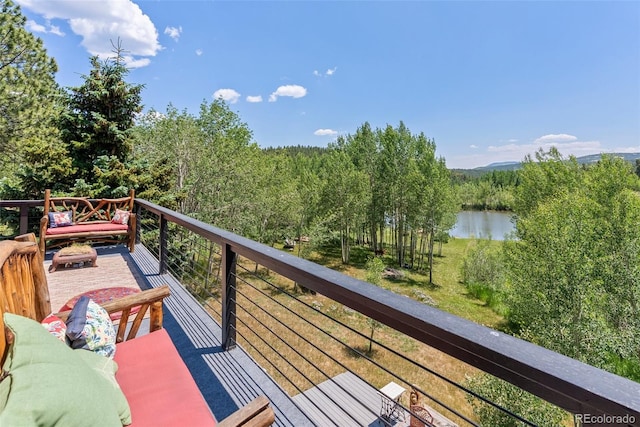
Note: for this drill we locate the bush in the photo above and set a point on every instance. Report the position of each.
(510, 397)
(483, 273)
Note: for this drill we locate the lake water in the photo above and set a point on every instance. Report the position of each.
(482, 224)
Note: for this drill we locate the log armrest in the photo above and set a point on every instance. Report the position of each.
(150, 299)
(256, 413)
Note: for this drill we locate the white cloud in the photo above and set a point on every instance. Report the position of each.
(54, 29)
(102, 23)
(229, 95)
(173, 32)
(555, 138)
(329, 72)
(34, 27)
(324, 132)
(252, 99)
(567, 145)
(199, 52)
(293, 91)
(473, 146)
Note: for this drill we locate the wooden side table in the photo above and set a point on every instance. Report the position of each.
(71, 255)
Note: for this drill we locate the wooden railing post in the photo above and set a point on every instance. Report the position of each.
(228, 297)
(163, 245)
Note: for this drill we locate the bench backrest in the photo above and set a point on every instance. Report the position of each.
(23, 284)
(84, 210)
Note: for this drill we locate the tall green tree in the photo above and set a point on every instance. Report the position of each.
(172, 142)
(573, 280)
(344, 197)
(29, 105)
(98, 127)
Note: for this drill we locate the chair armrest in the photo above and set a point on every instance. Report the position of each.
(148, 299)
(256, 413)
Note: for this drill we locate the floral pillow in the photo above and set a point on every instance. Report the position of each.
(121, 217)
(90, 327)
(60, 219)
(55, 326)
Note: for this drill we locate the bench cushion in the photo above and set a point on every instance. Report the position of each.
(158, 385)
(86, 228)
(51, 384)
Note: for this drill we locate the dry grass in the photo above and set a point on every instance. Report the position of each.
(290, 353)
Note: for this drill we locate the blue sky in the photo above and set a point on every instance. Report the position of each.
(488, 81)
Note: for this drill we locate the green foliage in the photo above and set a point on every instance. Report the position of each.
(374, 266)
(483, 273)
(97, 127)
(29, 106)
(512, 398)
(573, 275)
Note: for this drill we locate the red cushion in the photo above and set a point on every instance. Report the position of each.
(80, 228)
(158, 385)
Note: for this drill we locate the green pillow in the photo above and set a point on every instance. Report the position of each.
(50, 384)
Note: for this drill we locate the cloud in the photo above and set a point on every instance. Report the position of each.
(102, 23)
(199, 52)
(555, 138)
(253, 99)
(229, 95)
(173, 32)
(329, 72)
(324, 132)
(473, 146)
(34, 27)
(567, 145)
(293, 91)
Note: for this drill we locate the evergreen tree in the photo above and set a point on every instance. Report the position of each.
(28, 107)
(98, 128)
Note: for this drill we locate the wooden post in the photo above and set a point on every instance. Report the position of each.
(163, 245)
(228, 297)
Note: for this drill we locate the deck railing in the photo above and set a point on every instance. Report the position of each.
(230, 273)
(562, 381)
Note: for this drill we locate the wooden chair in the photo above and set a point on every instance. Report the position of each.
(420, 416)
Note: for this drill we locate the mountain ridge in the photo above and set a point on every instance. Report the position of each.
(591, 158)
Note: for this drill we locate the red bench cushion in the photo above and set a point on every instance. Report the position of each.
(158, 385)
(88, 227)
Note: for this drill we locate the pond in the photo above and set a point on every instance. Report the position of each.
(482, 224)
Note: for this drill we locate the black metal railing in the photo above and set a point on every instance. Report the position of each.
(235, 278)
(232, 293)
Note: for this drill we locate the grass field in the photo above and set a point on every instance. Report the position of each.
(447, 291)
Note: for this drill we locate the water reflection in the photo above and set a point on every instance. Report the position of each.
(482, 224)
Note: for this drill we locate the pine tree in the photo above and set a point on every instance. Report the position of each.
(98, 127)
(28, 98)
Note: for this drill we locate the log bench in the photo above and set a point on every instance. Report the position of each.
(104, 220)
(157, 385)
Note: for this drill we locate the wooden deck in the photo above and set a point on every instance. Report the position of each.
(227, 379)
